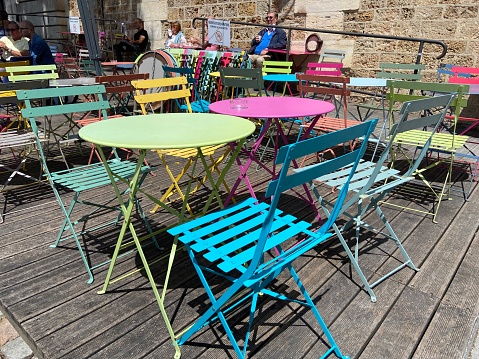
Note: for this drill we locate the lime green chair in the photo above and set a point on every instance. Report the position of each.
(446, 143)
(32, 72)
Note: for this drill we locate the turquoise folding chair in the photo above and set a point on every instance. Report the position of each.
(197, 103)
(372, 181)
(235, 243)
(83, 178)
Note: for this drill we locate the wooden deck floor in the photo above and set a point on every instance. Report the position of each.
(428, 314)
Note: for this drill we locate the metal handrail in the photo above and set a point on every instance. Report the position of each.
(337, 32)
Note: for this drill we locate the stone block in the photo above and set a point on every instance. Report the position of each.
(359, 16)
(326, 21)
(7, 332)
(428, 12)
(247, 9)
(17, 349)
(151, 11)
(315, 6)
(391, 14)
(438, 29)
(461, 12)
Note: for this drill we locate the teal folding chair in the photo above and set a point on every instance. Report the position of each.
(373, 181)
(196, 102)
(80, 179)
(251, 243)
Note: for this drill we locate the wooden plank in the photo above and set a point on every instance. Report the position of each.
(455, 318)
(431, 282)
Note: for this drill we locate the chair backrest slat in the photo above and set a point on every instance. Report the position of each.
(329, 55)
(12, 64)
(155, 90)
(324, 68)
(411, 72)
(32, 72)
(241, 78)
(277, 67)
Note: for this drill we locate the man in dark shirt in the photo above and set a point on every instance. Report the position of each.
(138, 44)
(38, 47)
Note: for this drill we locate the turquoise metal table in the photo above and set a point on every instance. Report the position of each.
(156, 132)
(286, 79)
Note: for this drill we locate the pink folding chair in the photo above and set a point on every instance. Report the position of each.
(459, 77)
(325, 68)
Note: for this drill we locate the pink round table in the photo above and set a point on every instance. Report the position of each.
(275, 107)
(271, 110)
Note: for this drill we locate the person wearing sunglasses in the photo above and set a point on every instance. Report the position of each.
(38, 47)
(14, 44)
(268, 38)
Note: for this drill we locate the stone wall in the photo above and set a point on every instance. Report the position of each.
(453, 21)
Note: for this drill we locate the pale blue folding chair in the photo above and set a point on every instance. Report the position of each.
(81, 179)
(251, 243)
(373, 181)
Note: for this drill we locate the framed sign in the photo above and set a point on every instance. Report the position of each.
(74, 24)
(219, 32)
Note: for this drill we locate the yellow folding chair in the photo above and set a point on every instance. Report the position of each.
(157, 94)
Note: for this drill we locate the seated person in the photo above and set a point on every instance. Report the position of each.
(15, 44)
(268, 38)
(137, 45)
(175, 36)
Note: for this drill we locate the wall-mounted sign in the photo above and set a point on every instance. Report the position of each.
(219, 32)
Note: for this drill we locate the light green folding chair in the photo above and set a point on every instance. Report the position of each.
(445, 142)
(32, 72)
(392, 71)
(83, 178)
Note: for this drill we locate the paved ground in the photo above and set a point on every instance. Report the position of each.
(12, 345)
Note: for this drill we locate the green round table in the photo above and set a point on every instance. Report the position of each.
(168, 131)
(165, 132)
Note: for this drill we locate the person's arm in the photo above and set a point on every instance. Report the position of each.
(15, 52)
(139, 41)
(183, 39)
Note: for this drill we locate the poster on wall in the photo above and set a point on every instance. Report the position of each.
(74, 24)
(219, 32)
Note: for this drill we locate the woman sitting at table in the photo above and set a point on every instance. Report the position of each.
(175, 36)
(14, 44)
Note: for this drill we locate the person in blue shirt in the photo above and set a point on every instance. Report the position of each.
(38, 47)
(267, 39)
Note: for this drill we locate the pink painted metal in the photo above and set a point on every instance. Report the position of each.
(271, 110)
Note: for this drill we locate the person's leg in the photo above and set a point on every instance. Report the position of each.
(253, 58)
(260, 59)
(123, 46)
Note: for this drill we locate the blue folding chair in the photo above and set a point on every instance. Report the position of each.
(197, 103)
(251, 243)
(373, 181)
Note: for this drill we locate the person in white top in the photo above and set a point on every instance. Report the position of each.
(14, 44)
(175, 37)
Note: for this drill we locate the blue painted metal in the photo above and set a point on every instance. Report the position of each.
(238, 239)
(372, 181)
